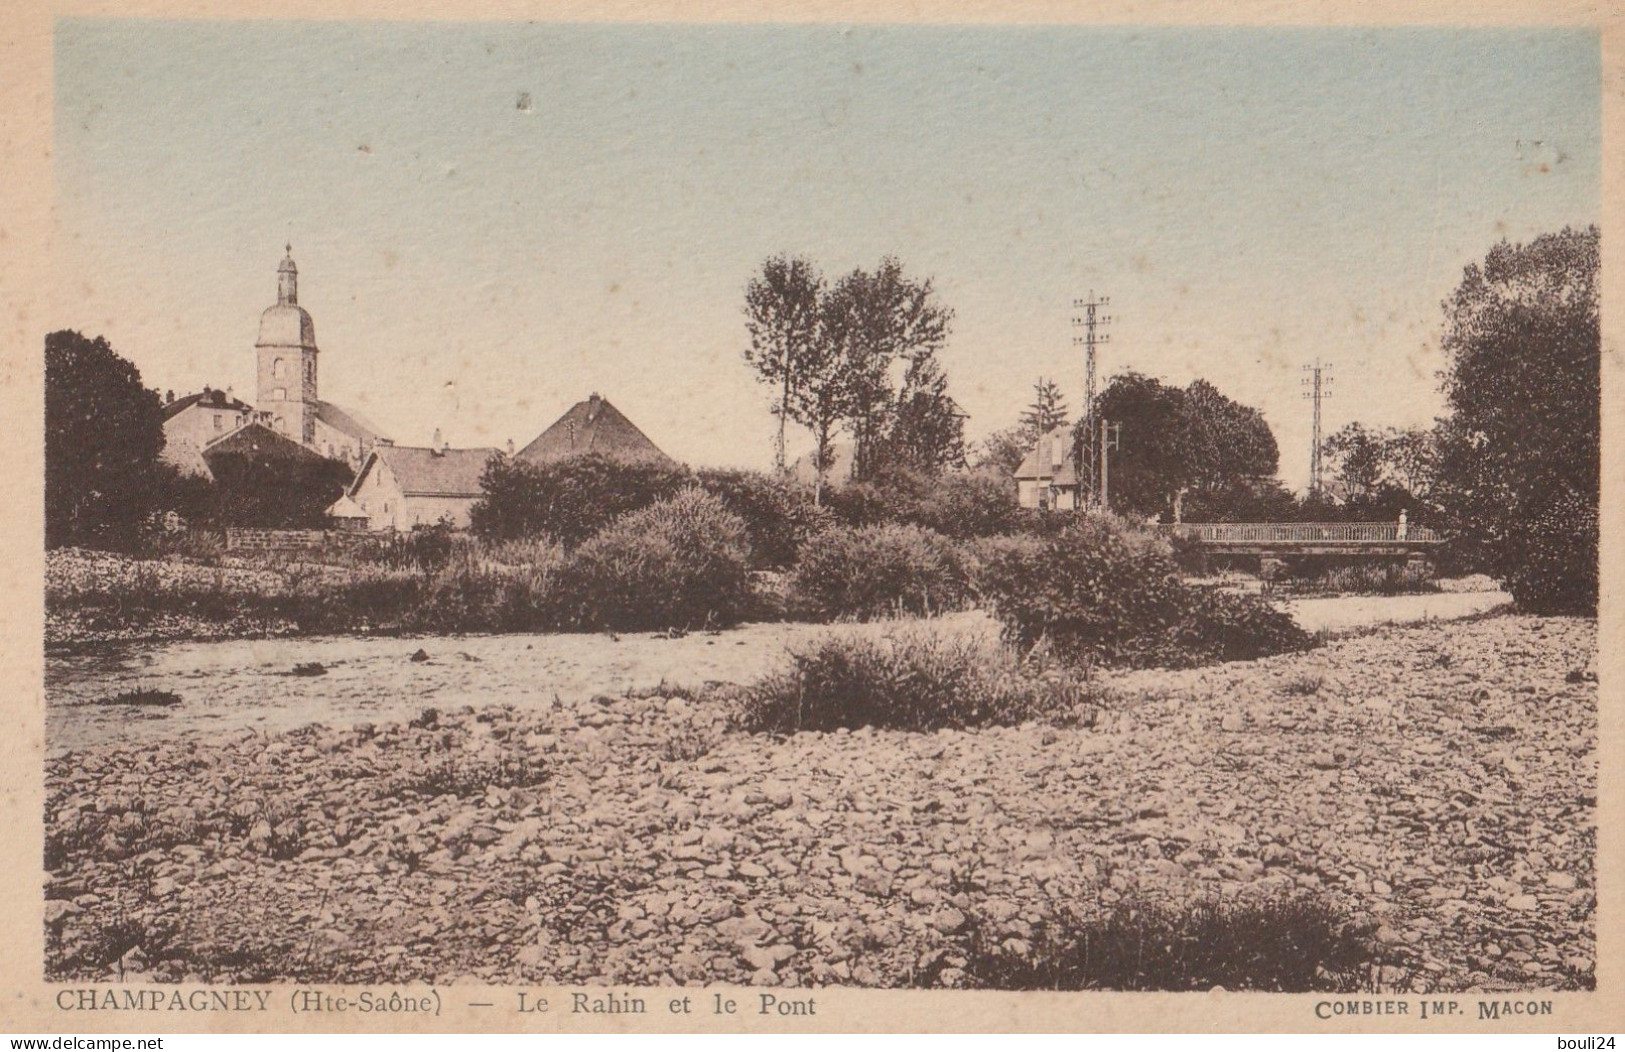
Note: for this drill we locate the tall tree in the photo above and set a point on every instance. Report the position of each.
(1151, 467)
(103, 434)
(1046, 412)
(1177, 441)
(1228, 442)
(927, 431)
(821, 398)
(1412, 457)
(877, 320)
(1520, 452)
(1358, 459)
(782, 307)
(1002, 452)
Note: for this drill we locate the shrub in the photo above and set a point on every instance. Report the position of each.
(1282, 943)
(912, 682)
(1097, 590)
(970, 504)
(1551, 566)
(862, 504)
(779, 515)
(878, 571)
(568, 500)
(422, 548)
(680, 563)
(1357, 576)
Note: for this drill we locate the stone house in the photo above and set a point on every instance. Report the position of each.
(400, 487)
(193, 422)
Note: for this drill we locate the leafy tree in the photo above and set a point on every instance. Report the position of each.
(1412, 457)
(1230, 444)
(104, 432)
(1176, 442)
(1002, 452)
(284, 487)
(782, 306)
(1243, 500)
(1358, 458)
(567, 500)
(875, 320)
(1520, 452)
(1046, 413)
(928, 428)
(1150, 467)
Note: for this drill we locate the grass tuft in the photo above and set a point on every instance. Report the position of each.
(912, 682)
(1285, 943)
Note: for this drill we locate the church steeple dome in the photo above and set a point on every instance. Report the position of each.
(286, 353)
(287, 281)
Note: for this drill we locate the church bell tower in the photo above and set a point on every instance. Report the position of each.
(286, 369)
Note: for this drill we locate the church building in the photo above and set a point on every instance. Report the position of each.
(286, 380)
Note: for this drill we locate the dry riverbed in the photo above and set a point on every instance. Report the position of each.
(1436, 780)
(226, 685)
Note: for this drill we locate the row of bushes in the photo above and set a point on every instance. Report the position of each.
(573, 499)
(682, 562)
(1093, 589)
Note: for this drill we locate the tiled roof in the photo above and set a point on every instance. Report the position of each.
(424, 472)
(345, 508)
(1041, 462)
(208, 398)
(346, 421)
(593, 426)
(260, 441)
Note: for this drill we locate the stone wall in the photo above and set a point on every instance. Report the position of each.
(247, 540)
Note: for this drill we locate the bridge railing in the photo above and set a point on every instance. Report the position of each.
(1288, 532)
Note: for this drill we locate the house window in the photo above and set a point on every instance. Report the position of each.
(279, 395)
(279, 368)
(281, 425)
(310, 370)
(219, 421)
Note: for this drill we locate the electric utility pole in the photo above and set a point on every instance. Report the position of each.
(1111, 437)
(1317, 383)
(1089, 320)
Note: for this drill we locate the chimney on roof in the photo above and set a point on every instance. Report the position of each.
(510, 447)
(229, 396)
(436, 444)
(169, 396)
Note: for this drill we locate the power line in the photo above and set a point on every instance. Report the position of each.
(1090, 320)
(1317, 383)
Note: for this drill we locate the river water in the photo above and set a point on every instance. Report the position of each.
(248, 683)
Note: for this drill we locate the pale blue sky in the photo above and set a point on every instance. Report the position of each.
(1249, 198)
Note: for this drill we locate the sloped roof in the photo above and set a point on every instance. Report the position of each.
(344, 420)
(1040, 463)
(593, 426)
(259, 441)
(345, 508)
(208, 398)
(424, 472)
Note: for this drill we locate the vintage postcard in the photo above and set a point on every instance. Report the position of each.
(687, 518)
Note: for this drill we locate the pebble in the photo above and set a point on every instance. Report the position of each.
(560, 844)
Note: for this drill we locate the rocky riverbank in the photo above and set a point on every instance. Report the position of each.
(1436, 782)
